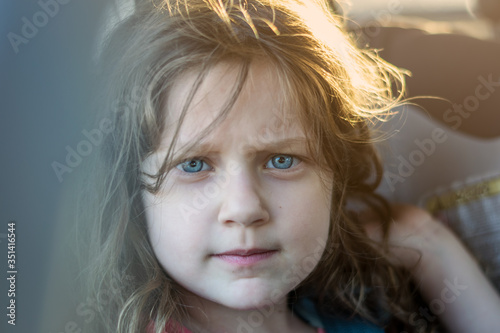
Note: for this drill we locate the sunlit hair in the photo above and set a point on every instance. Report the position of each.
(338, 90)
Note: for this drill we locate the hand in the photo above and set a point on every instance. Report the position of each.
(414, 236)
(443, 269)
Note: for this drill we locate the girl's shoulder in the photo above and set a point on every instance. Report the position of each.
(306, 309)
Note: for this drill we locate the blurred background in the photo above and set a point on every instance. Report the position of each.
(477, 18)
(47, 50)
(45, 90)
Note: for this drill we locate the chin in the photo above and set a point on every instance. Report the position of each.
(251, 299)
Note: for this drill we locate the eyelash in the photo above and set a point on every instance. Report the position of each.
(185, 162)
(294, 162)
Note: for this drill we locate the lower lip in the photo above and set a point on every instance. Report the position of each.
(248, 260)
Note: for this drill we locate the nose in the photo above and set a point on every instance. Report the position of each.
(242, 201)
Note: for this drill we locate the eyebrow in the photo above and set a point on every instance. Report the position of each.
(249, 147)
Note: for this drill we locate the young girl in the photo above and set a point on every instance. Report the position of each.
(235, 192)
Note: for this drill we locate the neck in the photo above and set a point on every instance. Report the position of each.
(210, 317)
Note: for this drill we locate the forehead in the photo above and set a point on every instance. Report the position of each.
(264, 108)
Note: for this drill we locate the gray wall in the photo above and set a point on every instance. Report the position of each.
(45, 88)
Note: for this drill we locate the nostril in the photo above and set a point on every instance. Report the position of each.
(243, 212)
(243, 201)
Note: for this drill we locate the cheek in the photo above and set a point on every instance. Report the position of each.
(304, 214)
(306, 202)
(171, 235)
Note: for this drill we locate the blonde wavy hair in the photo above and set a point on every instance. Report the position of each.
(340, 89)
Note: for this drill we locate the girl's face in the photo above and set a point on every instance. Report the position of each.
(244, 216)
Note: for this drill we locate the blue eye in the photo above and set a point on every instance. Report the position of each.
(281, 162)
(193, 166)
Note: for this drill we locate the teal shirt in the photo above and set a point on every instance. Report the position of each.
(306, 309)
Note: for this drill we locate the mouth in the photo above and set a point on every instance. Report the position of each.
(245, 257)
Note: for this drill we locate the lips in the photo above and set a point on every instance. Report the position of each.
(245, 257)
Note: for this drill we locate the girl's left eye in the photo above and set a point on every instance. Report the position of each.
(282, 162)
(193, 166)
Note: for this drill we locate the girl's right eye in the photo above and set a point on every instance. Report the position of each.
(193, 166)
